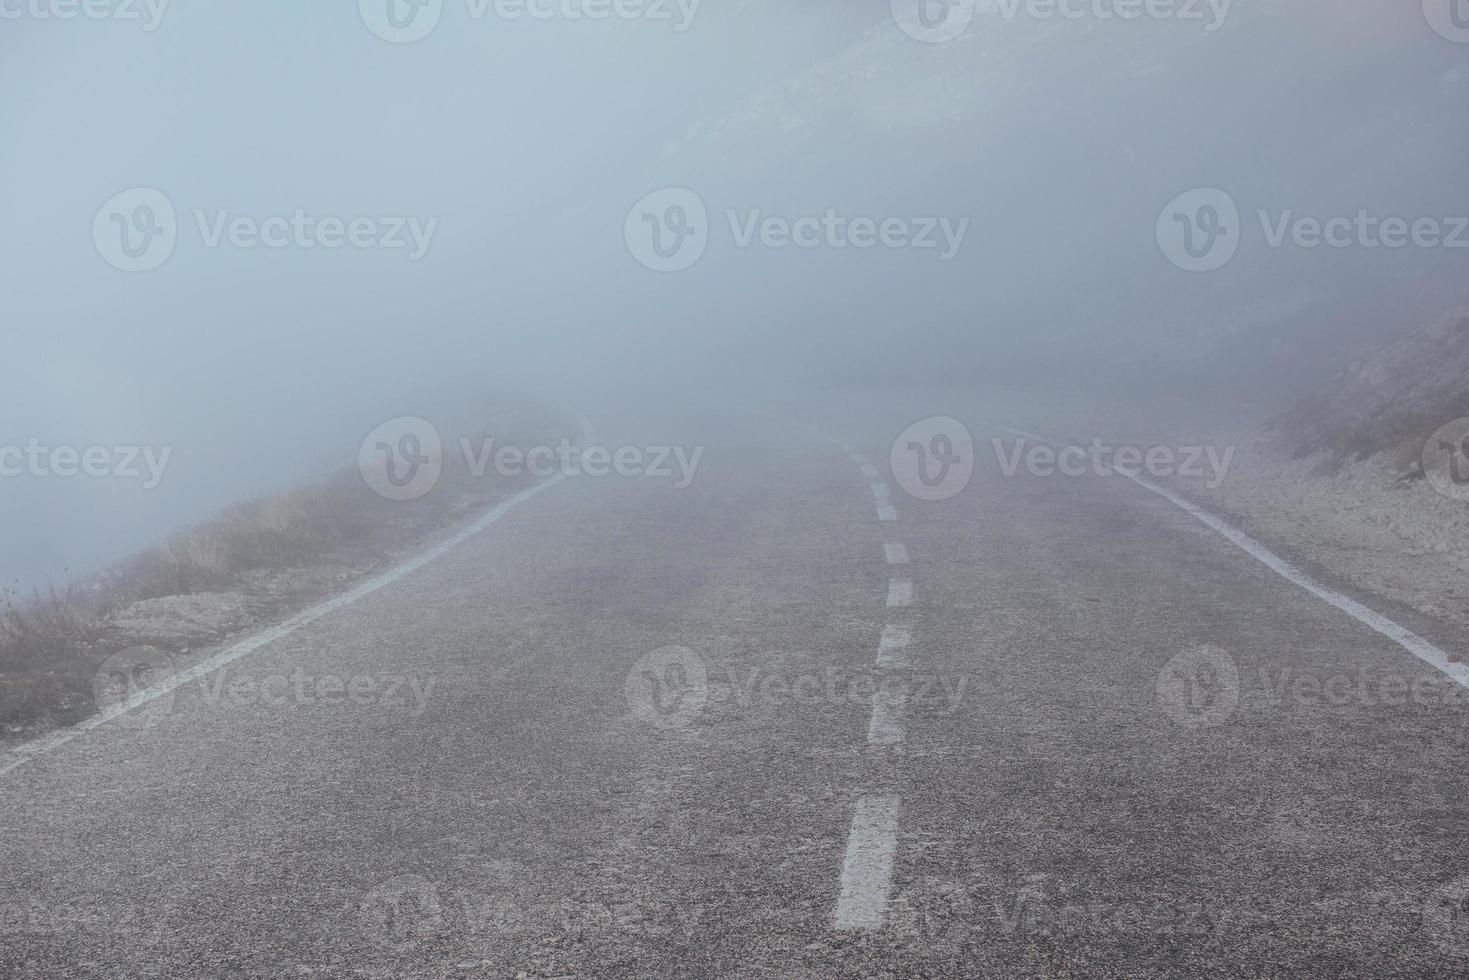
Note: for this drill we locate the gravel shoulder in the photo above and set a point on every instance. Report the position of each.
(1361, 521)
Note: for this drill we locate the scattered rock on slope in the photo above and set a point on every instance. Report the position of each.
(1391, 401)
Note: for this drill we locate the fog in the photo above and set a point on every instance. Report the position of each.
(506, 153)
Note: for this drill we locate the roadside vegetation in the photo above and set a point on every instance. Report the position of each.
(1338, 481)
(1388, 402)
(252, 564)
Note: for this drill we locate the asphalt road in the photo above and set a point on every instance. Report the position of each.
(634, 730)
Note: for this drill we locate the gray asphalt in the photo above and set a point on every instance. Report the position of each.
(528, 816)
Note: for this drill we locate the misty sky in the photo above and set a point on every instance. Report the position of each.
(526, 142)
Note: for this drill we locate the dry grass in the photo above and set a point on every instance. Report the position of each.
(283, 530)
(51, 644)
(194, 554)
(1391, 401)
(47, 644)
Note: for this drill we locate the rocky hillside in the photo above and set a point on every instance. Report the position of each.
(1390, 401)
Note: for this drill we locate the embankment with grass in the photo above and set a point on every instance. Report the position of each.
(1339, 479)
(252, 565)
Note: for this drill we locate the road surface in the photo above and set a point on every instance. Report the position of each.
(787, 721)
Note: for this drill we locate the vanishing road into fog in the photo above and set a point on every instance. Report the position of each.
(630, 730)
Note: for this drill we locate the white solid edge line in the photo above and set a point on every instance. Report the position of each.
(27, 751)
(867, 869)
(1400, 635)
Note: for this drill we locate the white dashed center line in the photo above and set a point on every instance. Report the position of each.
(895, 639)
(886, 727)
(872, 842)
(886, 512)
(867, 872)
